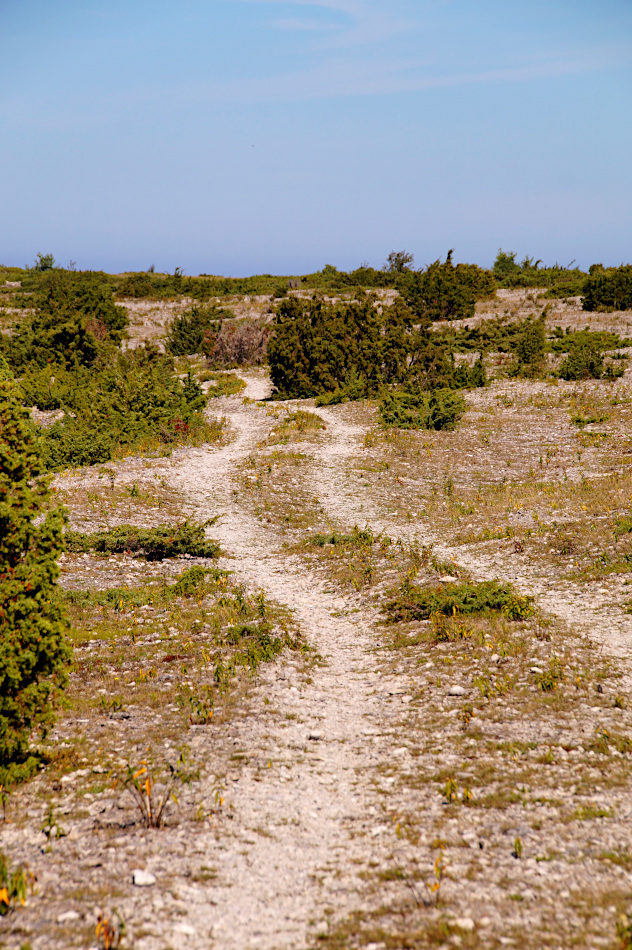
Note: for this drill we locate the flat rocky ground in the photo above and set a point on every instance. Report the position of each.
(396, 784)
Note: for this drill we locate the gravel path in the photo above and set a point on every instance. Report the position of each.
(275, 889)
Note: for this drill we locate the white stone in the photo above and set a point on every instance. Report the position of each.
(68, 916)
(143, 878)
(464, 923)
(456, 691)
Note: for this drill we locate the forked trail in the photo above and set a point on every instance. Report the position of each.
(309, 815)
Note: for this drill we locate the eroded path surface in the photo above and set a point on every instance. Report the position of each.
(308, 811)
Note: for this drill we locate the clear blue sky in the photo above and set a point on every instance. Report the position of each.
(249, 136)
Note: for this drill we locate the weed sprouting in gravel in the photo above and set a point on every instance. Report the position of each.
(151, 795)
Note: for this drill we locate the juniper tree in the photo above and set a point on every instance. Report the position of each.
(33, 649)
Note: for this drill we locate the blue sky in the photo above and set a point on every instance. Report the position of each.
(249, 136)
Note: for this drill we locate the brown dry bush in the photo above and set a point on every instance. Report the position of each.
(238, 344)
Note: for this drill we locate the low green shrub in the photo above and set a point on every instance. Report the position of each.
(193, 582)
(445, 291)
(416, 409)
(584, 361)
(531, 344)
(359, 537)
(608, 288)
(224, 384)
(188, 333)
(34, 652)
(561, 281)
(126, 402)
(419, 603)
(74, 322)
(154, 544)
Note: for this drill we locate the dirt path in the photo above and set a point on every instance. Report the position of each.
(311, 811)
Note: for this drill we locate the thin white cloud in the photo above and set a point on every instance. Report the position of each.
(340, 77)
(308, 26)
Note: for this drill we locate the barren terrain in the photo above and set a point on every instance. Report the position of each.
(379, 784)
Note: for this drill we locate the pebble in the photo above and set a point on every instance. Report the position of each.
(464, 923)
(536, 669)
(143, 878)
(68, 916)
(456, 691)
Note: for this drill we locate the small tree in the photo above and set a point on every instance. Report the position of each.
(398, 262)
(531, 344)
(33, 647)
(44, 262)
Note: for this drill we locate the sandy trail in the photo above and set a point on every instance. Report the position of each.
(306, 805)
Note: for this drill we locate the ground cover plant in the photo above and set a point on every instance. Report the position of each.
(202, 624)
(157, 543)
(413, 602)
(34, 652)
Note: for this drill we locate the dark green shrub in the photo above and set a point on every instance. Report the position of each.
(154, 544)
(412, 408)
(419, 603)
(608, 288)
(560, 281)
(188, 332)
(531, 344)
(316, 347)
(445, 291)
(584, 361)
(563, 342)
(127, 401)
(33, 648)
(75, 318)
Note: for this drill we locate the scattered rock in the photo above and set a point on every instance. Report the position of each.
(68, 916)
(143, 878)
(456, 691)
(464, 923)
(536, 669)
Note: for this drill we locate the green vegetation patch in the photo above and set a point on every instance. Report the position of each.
(608, 288)
(561, 281)
(416, 409)
(224, 384)
(34, 653)
(419, 603)
(194, 582)
(66, 355)
(154, 544)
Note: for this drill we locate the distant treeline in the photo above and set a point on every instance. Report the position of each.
(601, 287)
